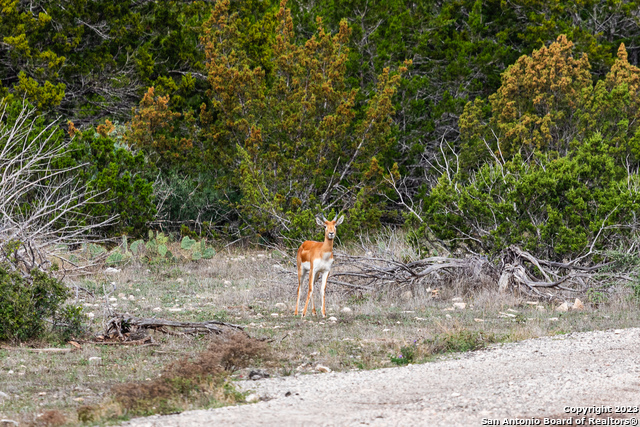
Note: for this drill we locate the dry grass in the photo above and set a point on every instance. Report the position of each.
(245, 288)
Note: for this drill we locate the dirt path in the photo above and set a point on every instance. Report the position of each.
(539, 378)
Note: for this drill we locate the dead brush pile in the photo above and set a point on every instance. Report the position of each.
(185, 383)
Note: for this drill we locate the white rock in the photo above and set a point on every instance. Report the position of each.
(174, 309)
(95, 360)
(553, 319)
(448, 316)
(156, 309)
(333, 319)
(346, 310)
(91, 315)
(455, 394)
(456, 299)
(132, 298)
(227, 282)
(260, 255)
(281, 305)
(113, 299)
(180, 280)
(111, 270)
(459, 305)
(386, 330)
(253, 397)
(3, 395)
(274, 314)
(562, 307)
(321, 368)
(541, 308)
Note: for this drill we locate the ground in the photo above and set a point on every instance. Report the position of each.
(555, 380)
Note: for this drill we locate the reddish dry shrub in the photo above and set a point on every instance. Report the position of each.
(50, 418)
(186, 376)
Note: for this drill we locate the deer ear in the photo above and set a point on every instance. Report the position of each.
(339, 221)
(319, 222)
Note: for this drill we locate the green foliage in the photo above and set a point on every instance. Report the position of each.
(406, 356)
(537, 170)
(119, 176)
(26, 303)
(187, 243)
(459, 341)
(554, 207)
(292, 133)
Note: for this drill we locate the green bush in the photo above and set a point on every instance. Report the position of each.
(25, 303)
(554, 207)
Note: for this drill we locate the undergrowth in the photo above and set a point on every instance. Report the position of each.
(203, 381)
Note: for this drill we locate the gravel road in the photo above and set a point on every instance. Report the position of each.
(541, 378)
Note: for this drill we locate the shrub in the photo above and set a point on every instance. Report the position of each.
(554, 207)
(205, 377)
(25, 303)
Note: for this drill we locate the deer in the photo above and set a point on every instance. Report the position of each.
(314, 258)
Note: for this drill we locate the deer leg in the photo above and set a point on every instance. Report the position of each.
(313, 300)
(325, 276)
(310, 291)
(300, 274)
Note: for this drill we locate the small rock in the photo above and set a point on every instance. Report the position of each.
(456, 299)
(79, 399)
(459, 305)
(260, 255)
(122, 296)
(3, 395)
(174, 309)
(455, 394)
(42, 393)
(562, 307)
(333, 319)
(321, 368)
(257, 375)
(90, 315)
(553, 319)
(156, 309)
(10, 371)
(578, 305)
(95, 360)
(281, 305)
(274, 314)
(180, 280)
(346, 310)
(448, 316)
(478, 320)
(540, 308)
(252, 398)
(227, 282)
(113, 299)
(386, 330)
(111, 271)
(132, 298)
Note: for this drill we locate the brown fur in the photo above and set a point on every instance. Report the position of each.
(318, 252)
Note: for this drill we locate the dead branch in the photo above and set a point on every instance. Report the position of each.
(513, 269)
(125, 328)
